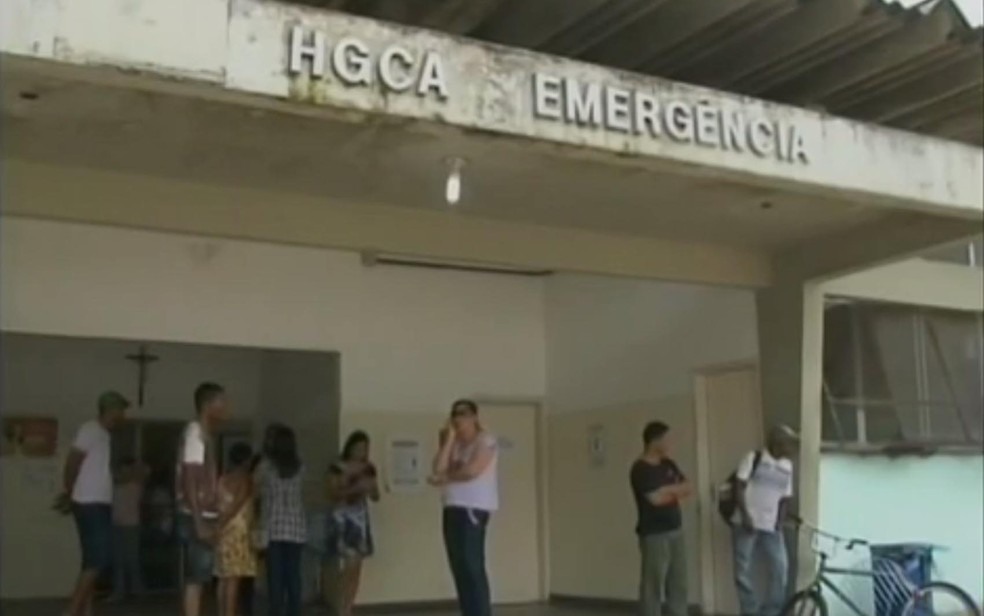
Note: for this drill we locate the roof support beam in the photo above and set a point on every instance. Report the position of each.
(901, 236)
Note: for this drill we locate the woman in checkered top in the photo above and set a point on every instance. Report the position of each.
(285, 523)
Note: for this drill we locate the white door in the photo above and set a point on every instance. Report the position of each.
(729, 424)
(513, 546)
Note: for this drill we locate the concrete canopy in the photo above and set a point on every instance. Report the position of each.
(316, 162)
(915, 68)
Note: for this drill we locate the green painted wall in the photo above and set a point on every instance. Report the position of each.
(937, 499)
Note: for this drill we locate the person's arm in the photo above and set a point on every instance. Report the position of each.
(742, 476)
(73, 463)
(335, 484)
(784, 504)
(682, 490)
(84, 441)
(193, 474)
(484, 455)
(372, 483)
(442, 460)
(244, 493)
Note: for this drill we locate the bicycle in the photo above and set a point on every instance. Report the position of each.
(894, 589)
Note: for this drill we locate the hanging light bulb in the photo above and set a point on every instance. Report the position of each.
(452, 189)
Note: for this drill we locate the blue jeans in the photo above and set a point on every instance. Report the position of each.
(94, 522)
(771, 548)
(199, 557)
(464, 540)
(283, 564)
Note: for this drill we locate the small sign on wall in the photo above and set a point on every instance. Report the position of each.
(30, 437)
(404, 464)
(597, 453)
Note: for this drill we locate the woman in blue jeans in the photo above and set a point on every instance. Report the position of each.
(466, 468)
(285, 525)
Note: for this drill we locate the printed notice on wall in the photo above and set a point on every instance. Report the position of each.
(405, 465)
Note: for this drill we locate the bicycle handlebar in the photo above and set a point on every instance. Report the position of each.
(849, 543)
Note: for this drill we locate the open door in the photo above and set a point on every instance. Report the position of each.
(729, 424)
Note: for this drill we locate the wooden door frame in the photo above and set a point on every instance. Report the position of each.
(542, 482)
(706, 483)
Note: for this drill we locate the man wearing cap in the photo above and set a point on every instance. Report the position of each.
(764, 489)
(88, 496)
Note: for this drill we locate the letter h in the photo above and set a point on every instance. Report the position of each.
(314, 51)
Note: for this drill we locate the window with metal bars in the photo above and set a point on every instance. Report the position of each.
(902, 377)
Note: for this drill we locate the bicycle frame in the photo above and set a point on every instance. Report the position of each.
(822, 581)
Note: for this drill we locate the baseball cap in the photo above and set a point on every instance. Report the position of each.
(785, 432)
(112, 401)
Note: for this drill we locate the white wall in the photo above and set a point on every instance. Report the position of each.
(410, 339)
(620, 353)
(937, 500)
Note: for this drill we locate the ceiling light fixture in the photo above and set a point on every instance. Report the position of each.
(452, 188)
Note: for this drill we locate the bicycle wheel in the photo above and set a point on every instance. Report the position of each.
(805, 603)
(940, 599)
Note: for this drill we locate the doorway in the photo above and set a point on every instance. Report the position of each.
(729, 425)
(515, 543)
(154, 443)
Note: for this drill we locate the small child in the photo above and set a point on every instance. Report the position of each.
(235, 553)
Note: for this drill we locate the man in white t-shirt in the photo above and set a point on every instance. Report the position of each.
(88, 495)
(764, 488)
(196, 486)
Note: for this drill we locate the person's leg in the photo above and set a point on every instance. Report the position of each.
(650, 577)
(744, 555)
(247, 589)
(676, 575)
(293, 583)
(199, 564)
(350, 578)
(86, 522)
(119, 564)
(132, 555)
(773, 548)
(453, 525)
(275, 567)
(475, 574)
(229, 593)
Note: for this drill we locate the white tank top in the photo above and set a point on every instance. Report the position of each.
(482, 492)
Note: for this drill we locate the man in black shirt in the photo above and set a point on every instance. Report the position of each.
(658, 487)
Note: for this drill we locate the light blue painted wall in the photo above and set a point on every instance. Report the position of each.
(937, 499)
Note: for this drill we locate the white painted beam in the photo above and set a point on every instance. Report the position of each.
(243, 46)
(916, 282)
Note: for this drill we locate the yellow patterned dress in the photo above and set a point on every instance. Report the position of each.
(234, 554)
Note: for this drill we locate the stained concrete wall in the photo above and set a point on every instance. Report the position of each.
(242, 46)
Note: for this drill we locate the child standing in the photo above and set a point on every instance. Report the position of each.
(235, 555)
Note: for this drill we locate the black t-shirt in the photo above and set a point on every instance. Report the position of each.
(647, 478)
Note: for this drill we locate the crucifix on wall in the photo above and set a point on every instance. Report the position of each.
(143, 359)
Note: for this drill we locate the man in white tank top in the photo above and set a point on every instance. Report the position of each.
(466, 468)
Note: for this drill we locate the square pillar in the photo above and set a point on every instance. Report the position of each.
(790, 329)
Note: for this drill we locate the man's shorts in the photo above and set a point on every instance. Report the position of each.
(94, 522)
(199, 556)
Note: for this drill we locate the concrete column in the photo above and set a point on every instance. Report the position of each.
(790, 325)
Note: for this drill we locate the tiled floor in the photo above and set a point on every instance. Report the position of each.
(160, 607)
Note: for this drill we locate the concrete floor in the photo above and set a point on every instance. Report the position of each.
(161, 607)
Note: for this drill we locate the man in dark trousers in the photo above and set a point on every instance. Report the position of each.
(658, 487)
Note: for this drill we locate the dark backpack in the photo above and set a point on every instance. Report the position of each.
(727, 491)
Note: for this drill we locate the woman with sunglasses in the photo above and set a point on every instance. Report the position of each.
(465, 467)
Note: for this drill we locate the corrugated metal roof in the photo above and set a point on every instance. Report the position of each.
(916, 68)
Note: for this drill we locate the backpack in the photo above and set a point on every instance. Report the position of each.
(727, 500)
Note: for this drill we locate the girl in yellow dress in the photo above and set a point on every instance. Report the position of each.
(235, 557)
